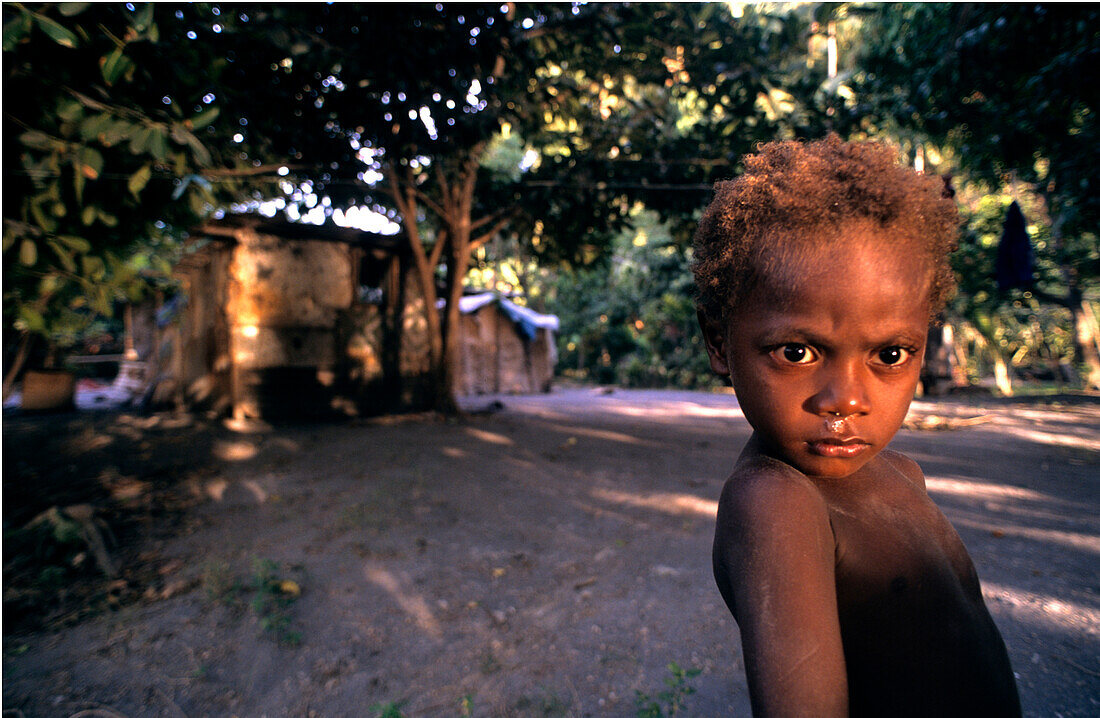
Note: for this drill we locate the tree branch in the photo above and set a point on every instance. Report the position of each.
(249, 171)
(482, 239)
(437, 248)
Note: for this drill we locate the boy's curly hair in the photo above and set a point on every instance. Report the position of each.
(802, 191)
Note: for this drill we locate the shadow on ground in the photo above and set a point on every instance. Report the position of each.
(552, 558)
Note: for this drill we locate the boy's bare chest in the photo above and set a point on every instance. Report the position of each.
(894, 547)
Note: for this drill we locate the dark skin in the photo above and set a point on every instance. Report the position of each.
(853, 593)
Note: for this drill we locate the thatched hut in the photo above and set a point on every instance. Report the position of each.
(506, 348)
(286, 320)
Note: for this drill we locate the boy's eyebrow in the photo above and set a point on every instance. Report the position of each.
(781, 334)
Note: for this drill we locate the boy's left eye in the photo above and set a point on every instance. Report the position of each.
(795, 354)
(893, 356)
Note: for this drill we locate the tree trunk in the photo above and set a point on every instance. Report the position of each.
(1086, 334)
(937, 375)
(454, 210)
(988, 335)
(1000, 373)
(1086, 338)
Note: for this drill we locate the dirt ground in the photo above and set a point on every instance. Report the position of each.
(549, 559)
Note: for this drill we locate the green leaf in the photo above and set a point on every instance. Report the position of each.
(32, 319)
(93, 162)
(144, 17)
(205, 117)
(9, 240)
(15, 30)
(69, 110)
(28, 252)
(63, 254)
(49, 285)
(94, 268)
(93, 126)
(198, 149)
(37, 139)
(119, 130)
(57, 32)
(138, 180)
(140, 141)
(158, 143)
(107, 219)
(88, 216)
(77, 244)
(72, 9)
(79, 180)
(41, 219)
(115, 66)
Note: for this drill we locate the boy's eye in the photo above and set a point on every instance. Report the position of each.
(795, 354)
(893, 356)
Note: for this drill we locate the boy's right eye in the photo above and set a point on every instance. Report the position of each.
(794, 354)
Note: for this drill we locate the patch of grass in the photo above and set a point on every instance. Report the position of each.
(389, 709)
(49, 567)
(274, 594)
(489, 664)
(219, 583)
(669, 701)
(361, 515)
(549, 705)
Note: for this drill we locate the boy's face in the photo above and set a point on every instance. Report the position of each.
(825, 353)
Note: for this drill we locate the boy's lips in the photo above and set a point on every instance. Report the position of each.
(839, 448)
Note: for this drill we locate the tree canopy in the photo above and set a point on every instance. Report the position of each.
(549, 124)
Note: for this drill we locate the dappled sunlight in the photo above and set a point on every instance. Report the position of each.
(222, 490)
(453, 452)
(256, 490)
(235, 450)
(981, 489)
(677, 410)
(1069, 539)
(603, 434)
(1051, 438)
(488, 436)
(1044, 610)
(663, 501)
(412, 603)
(216, 489)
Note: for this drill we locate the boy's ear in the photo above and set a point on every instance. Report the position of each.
(714, 336)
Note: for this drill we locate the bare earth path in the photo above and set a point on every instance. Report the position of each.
(549, 559)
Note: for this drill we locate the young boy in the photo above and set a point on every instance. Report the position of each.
(818, 271)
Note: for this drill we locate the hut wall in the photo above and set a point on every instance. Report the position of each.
(479, 363)
(513, 364)
(201, 360)
(544, 357)
(495, 358)
(283, 302)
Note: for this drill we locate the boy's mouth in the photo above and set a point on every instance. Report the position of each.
(836, 448)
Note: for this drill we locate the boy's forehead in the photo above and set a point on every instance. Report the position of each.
(786, 262)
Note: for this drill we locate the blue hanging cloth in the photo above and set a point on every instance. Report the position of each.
(1015, 265)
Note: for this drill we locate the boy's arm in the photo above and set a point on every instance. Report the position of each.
(774, 562)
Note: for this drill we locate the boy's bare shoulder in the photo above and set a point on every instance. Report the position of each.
(770, 493)
(906, 466)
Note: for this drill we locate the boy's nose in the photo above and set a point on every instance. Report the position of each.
(842, 395)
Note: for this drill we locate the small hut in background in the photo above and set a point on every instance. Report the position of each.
(506, 348)
(292, 321)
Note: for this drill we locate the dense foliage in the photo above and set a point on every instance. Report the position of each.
(102, 152)
(567, 146)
